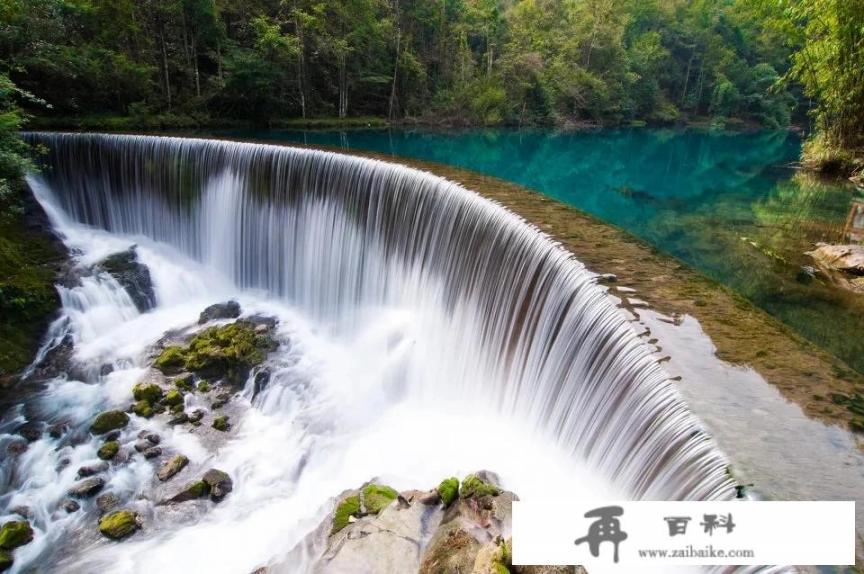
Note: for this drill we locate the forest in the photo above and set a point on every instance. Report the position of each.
(137, 64)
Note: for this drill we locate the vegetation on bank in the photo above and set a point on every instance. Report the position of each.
(28, 255)
(176, 64)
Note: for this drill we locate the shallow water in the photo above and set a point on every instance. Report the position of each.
(729, 204)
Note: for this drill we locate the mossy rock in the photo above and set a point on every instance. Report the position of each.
(224, 351)
(857, 425)
(221, 423)
(185, 383)
(203, 387)
(228, 350)
(473, 487)
(344, 511)
(119, 524)
(14, 534)
(191, 491)
(5, 560)
(143, 409)
(108, 421)
(173, 398)
(148, 392)
(108, 450)
(448, 490)
(170, 360)
(377, 497)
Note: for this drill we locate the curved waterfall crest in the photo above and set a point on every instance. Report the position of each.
(519, 323)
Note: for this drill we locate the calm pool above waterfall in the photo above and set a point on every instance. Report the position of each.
(728, 204)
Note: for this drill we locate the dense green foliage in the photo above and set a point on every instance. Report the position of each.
(27, 258)
(828, 38)
(470, 61)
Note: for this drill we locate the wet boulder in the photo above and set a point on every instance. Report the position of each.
(262, 379)
(71, 506)
(91, 469)
(105, 502)
(221, 424)
(190, 491)
(119, 524)
(87, 487)
(14, 534)
(219, 483)
(172, 467)
(226, 310)
(108, 450)
(143, 409)
(152, 452)
(221, 352)
(108, 421)
(148, 391)
(31, 431)
(133, 276)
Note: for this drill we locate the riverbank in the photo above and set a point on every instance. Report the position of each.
(31, 258)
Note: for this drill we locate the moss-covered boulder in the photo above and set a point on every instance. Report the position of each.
(221, 423)
(119, 524)
(475, 487)
(148, 392)
(108, 450)
(108, 421)
(228, 351)
(14, 534)
(203, 387)
(170, 360)
(173, 398)
(185, 382)
(143, 409)
(448, 490)
(5, 560)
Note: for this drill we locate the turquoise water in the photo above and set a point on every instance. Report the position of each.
(728, 204)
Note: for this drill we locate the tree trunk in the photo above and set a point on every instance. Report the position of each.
(301, 64)
(392, 105)
(165, 66)
(343, 87)
(687, 77)
(195, 65)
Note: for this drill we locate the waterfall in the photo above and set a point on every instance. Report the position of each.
(501, 318)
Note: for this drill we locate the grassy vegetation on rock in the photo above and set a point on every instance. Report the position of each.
(344, 511)
(377, 497)
(448, 490)
(473, 487)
